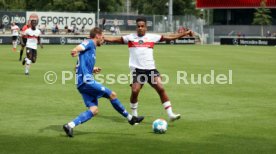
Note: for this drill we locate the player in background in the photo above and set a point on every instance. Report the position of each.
(15, 33)
(90, 89)
(23, 38)
(142, 65)
(33, 38)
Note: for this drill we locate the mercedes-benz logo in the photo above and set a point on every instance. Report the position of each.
(5, 19)
(62, 40)
(172, 42)
(235, 41)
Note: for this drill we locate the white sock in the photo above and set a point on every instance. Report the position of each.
(28, 61)
(134, 107)
(168, 107)
(71, 124)
(129, 117)
(27, 67)
(14, 44)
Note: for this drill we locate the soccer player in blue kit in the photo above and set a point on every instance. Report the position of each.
(90, 89)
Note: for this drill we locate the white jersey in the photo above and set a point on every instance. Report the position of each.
(32, 38)
(141, 50)
(15, 30)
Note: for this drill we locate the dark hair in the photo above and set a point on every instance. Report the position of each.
(94, 31)
(141, 19)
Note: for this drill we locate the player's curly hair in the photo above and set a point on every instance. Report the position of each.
(94, 31)
(141, 19)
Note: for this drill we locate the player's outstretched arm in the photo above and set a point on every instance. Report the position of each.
(76, 50)
(177, 36)
(114, 39)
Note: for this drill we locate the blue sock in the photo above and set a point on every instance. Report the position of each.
(83, 117)
(118, 106)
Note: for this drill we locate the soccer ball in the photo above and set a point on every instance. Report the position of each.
(159, 126)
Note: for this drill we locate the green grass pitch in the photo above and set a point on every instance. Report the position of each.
(237, 118)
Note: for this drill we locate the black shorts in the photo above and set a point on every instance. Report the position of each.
(14, 38)
(31, 54)
(24, 41)
(142, 76)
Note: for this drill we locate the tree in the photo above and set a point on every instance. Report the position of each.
(62, 5)
(15, 4)
(159, 7)
(2, 4)
(262, 17)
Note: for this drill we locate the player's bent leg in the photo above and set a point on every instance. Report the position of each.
(27, 55)
(23, 45)
(118, 106)
(113, 95)
(82, 118)
(28, 61)
(28, 65)
(21, 53)
(34, 56)
(33, 59)
(135, 90)
(158, 86)
(94, 110)
(164, 99)
(14, 46)
(92, 104)
(14, 43)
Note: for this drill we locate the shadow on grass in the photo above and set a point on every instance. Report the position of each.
(121, 119)
(59, 129)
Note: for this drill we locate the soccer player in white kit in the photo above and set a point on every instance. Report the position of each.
(15, 33)
(142, 65)
(33, 38)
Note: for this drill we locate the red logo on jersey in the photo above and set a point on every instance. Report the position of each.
(141, 44)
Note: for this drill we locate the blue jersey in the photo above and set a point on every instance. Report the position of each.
(86, 62)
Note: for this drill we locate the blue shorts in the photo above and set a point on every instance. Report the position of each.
(92, 91)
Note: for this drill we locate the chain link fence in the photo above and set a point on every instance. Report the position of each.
(116, 24)
(157, 24)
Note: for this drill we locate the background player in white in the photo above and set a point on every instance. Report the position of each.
(23, 38)
(15, 33)
(142, 65)
(33, 38)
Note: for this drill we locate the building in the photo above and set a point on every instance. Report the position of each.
(234, 12)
